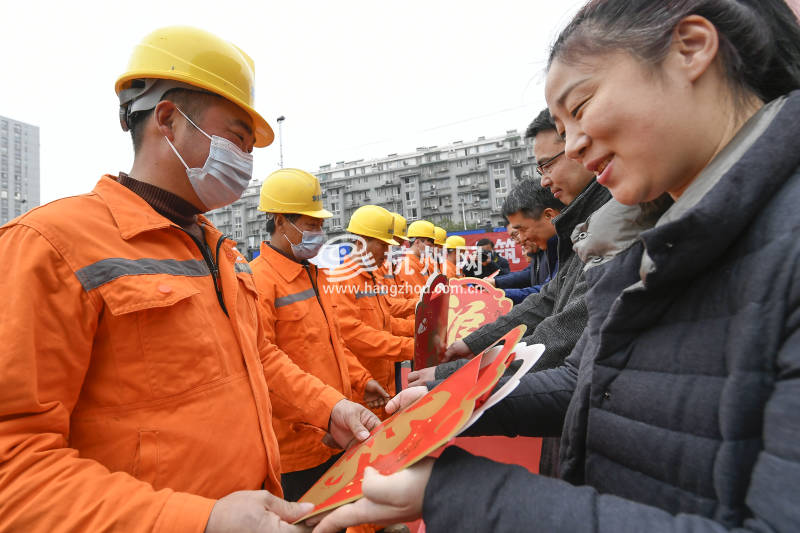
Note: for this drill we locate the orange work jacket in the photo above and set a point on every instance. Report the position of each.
(451, 270)
(367, 326)
(413, 273)
(299, 321)
(400, 305)
(130, 398)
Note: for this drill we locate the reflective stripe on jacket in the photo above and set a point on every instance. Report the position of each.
(300, 321)
(129, 398)
(366, 323)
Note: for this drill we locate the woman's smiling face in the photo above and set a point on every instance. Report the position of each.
(647, 129)
(623, 122)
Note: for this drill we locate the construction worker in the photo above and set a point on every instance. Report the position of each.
(299, 320)
(452, 244)
(415, 267)
(401, 303)
(137, 391)
(367, 326)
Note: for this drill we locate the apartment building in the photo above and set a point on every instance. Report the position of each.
(458, 186)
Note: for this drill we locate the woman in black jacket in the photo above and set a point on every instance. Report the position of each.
(680, 404)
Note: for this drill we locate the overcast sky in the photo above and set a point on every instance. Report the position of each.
(355, 80)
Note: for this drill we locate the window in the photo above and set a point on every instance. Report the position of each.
(237, 222)
(500, 185)
(499, 170)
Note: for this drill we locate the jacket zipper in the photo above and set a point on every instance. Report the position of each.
(314, 286)
(212, 266)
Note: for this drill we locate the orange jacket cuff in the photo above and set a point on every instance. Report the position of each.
(184, 513)
(320, 409)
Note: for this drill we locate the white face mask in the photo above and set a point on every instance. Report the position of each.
(225, 174)
(310, 242)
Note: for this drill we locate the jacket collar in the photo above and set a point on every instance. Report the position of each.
(686, 245)
(287, 268)
(552, 251)
(130, 212)
(590, 200)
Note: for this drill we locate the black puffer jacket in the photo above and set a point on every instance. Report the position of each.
(685, 414)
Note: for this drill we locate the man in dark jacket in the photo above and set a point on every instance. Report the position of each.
(556, 316)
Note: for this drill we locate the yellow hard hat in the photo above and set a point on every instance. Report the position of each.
(373, 221)
(290, 190)
(439, 236)
(399, 227)
(455, 241)
(193, 57)
(421, 228)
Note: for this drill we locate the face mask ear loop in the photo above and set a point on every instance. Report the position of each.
(176, 152)
(192, 123)
(287, 238)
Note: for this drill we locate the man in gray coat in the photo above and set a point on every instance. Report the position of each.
(556, 316)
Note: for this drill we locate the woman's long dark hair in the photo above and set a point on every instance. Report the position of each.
(759, 40)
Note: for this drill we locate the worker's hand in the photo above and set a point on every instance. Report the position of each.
(257, 511)
(374, 395)
(387, 499)
(421, 377)
(351, 422)
(405, 398)
(457, 350)
(490, 281)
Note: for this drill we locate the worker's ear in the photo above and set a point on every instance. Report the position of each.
(164, 115)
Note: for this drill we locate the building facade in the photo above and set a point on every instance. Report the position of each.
(459, 186)
(19, 168)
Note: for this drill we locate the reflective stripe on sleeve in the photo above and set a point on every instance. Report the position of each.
(296, 297)
(101, 272)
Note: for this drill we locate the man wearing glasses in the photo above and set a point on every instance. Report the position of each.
(557, 315)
